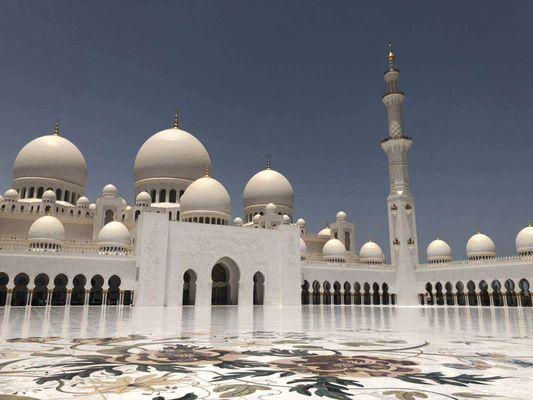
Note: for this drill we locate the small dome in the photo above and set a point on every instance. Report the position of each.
(51, 156)
(206, 194)
(171, 153)
(92, 207)
(480, 246)
(114, 233)
(334, 250)
(46, 229)
(326, 232)
(237, 221)
(286, 219)
(83, 202)
(439, 251)
(109, 190)
(49, 196)
(11, 194)
(268, 186)
(300, 222)
(524, 241)
(271, 208)
(143, 198)
(341, 216)
(303, 248)
(371, 253)
(256, 218)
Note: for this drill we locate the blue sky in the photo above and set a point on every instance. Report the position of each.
(301, 81)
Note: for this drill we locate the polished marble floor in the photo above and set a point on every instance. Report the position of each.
(335, 352)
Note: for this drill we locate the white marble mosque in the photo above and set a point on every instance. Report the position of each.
(178, 244)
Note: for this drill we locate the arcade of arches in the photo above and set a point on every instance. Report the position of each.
(483, 293)
(337, 294)
(44, 291)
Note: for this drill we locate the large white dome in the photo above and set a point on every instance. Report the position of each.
(438, 250)
(334, 250)
(46, 229)
(371, 253)
(171, 153)
(268, 186)
(325, 232)
(524, 241)
(51, 156)
(205, 194)
(114, 233)
(479, 246)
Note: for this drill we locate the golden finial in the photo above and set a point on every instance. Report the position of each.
(477, 230)
(269, 162)
(57, 128)
(177, 119)
(390, 56)
(208, 170)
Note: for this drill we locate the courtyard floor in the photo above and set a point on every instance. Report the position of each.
(335, 352)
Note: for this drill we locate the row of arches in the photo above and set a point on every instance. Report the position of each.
(37, 193)
(482, 294)
(207, 220)
(45, 292)
(224, 286)
(21, 208)
(338, 294)
(161, 196)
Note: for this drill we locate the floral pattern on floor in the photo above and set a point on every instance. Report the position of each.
(266, 364)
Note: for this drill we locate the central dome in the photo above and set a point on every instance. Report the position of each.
(171, 153)
(51, 156)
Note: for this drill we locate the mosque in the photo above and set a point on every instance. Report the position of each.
(177, 244)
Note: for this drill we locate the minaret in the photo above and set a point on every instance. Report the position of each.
(401, 206)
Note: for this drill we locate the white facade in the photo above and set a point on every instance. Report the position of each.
(175, 245)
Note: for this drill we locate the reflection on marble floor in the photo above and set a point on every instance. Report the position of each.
(340, 352)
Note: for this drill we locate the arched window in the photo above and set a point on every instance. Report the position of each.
(137, 213)
(23, 193)
(109, 215)
(32, 192)
(152, 195)
(162, 196)
(259, 289)
(40, 192)
(347, 240)
(58, 194)
(172, 196)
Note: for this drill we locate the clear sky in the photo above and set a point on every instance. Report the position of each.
(301, 81)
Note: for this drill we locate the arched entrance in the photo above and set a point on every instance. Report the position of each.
(225, 288)
(113, 293)
(20, 291)
(40, 292)
(259, 288)
(189, 288)
(59, 293)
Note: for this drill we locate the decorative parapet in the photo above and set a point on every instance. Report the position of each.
(22, 247)
(508, 260)
(351, 261)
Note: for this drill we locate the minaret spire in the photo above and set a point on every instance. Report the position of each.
(176, 119)
(57, 127)
(401, 208)
(269, 162)
(393, 98)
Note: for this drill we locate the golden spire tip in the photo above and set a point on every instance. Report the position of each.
(57, 127)
(390, 55)
(269, 162)
(177, 119)
(208, 170)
